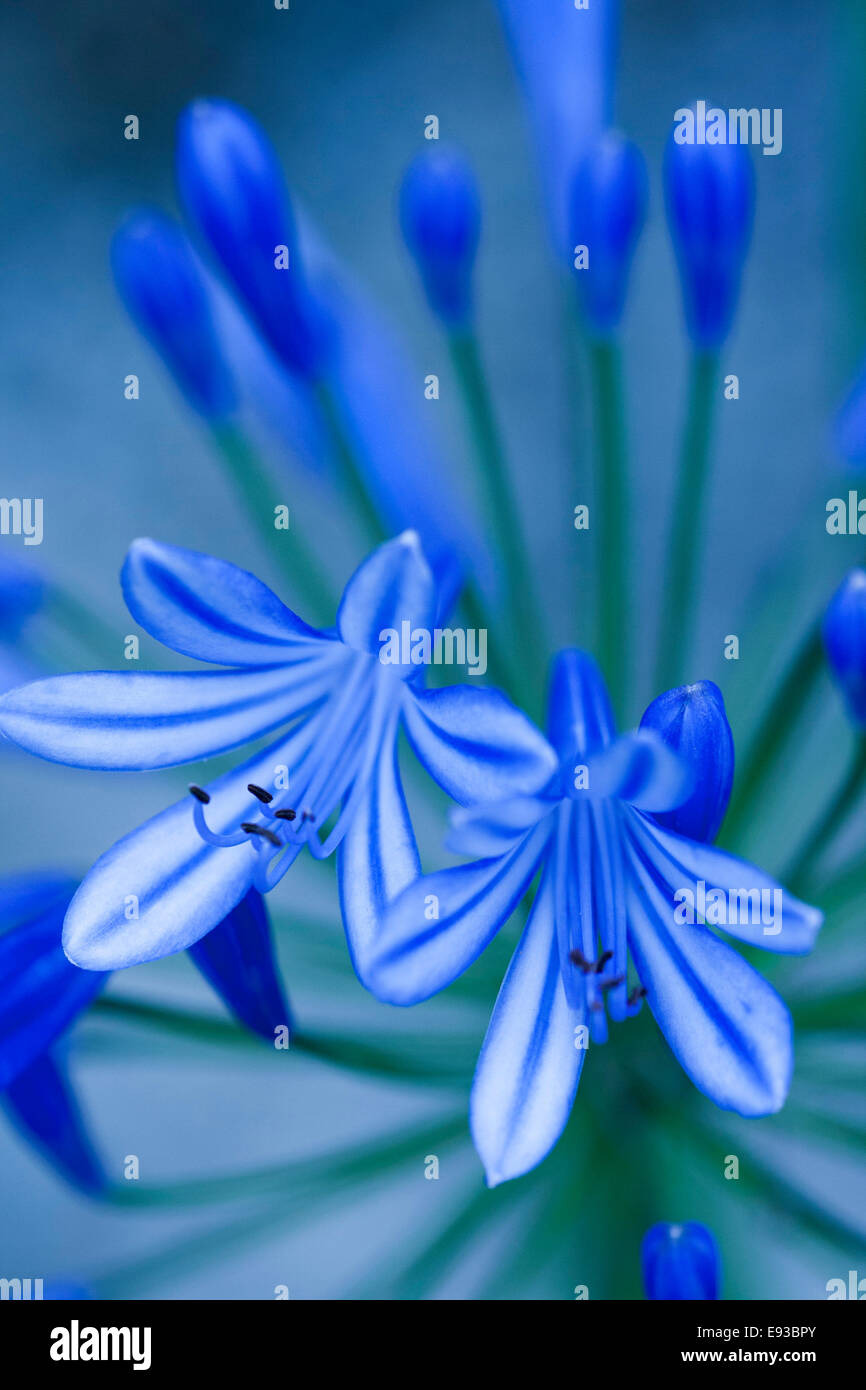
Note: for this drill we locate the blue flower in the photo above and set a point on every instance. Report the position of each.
(231, 186)
(608, 209)
(680, 1262)
(21, 595)
(565, 60)
(338, 709)
(440, 214)
(849, 425)
(164, 291)
(710, 195)
(614, 883)
(42, 994)
(845, 641)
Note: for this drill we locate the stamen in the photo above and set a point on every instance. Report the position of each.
(252, 829)
(199, 793)
(638, 993)
(286, 814)
(579, 959)
(602, 961)
(611, 983)
(260, 792)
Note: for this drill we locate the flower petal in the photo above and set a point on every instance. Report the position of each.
(125, 721)
(580, 714)
(237, 959)
(40, 992)
(758, 910)
(641, 770)
(442, 922)
(41, 1105)
(492, 828)
(160, 888)
(394, 585)
(531, 1059)
(377, 860)
(476, 744)
(209, 609)
(728, 1028)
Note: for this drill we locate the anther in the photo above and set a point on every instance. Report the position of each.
(602, 961)
(199, 793)
(286, 814)
(579, 959)
(259, 792)
(636, 994)
(252, 829)
(307, 814)
(612, 983)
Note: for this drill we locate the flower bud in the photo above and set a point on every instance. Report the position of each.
(164, 292)
(845, 641)
(709, 190)
(440, 216)
(691, 720)
(680, 1262)
(608, 209)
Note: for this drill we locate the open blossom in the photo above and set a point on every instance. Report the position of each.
(611, 876)
(329, 778)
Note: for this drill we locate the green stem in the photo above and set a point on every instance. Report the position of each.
(802, 864)
(613, 550)
(686, 534)
(786, 706)
(256, 487)
(349, 466)
(502, 507)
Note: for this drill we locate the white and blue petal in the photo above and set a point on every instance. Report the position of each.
(728, 1028)
(134, 721)
(757, 909)
(209, 609)
(442, 922)
(476, 744)
(641, 770)
(377, 859)
(580, 716)
(393, 586)
(494, 827)
(531, 1060)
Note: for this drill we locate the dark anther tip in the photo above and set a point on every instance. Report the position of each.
(199, 793)
(636, 994)
(286, 814)
(579, 959)
(611, 984)
(602, 961)
(252, 829)
(259, 792)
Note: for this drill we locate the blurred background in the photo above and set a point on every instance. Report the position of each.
(343, 90)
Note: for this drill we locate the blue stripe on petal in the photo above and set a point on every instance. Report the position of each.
(766, 915)
(40, 992)
(393, 585)
(485, 831)
(580, 714)
(209, 609)
(377, 860)
(237, 959)
(476, 744)
(133, 721)
(41, 1105)
(442, 922)
(529, 1066)
(160, 888)
(728, 1028)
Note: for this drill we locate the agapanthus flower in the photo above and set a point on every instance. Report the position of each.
(440, 216)
(42, 994)
(337, 708)
(710, 197)
(680, 1262)
(615, 884)
(608, 208)
(22, 593)
(844, 631)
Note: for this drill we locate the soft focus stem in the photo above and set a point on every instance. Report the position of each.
(685, 541)
(800, 870)
(502, 507)
(612, 552)
(254, 484)
(349, 466)
(777, 724)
